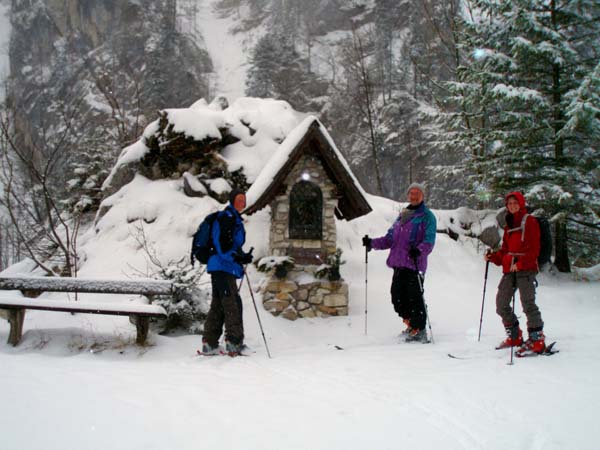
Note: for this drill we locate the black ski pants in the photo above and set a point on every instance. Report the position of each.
(225, 309)
(407, 297)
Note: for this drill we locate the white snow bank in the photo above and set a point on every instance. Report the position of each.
(158, 211)
(588, 274)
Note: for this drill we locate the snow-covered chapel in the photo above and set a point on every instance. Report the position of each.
(307, 184)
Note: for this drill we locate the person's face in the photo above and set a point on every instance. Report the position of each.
(239, 202)
(512, 205)
(415, 196)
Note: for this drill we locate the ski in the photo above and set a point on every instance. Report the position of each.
(246, 351)
(450, 355)
(221, 353)
(201, 353)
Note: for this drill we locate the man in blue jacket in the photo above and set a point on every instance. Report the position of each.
(410, 240)
(225, 266)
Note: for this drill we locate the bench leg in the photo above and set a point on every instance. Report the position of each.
(142, 324)
(16, 317)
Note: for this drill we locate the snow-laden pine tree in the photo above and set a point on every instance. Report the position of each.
(583, 126)
(526, 61)
(277, 70)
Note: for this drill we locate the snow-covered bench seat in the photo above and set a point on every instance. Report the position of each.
(33, 286)
(139, 314)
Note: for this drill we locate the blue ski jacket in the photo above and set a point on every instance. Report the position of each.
(228, 222)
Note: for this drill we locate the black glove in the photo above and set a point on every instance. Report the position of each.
(366, 241)
(414, 252)
(242, 257)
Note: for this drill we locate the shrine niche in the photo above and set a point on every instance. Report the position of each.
(306, 211)
(307, 185)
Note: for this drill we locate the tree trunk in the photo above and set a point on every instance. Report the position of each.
(561, 255)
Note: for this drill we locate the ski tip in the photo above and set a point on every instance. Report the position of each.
(550, 348)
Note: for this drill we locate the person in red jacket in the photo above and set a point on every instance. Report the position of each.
(518, 258)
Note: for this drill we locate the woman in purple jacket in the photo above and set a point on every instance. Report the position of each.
(410, 240)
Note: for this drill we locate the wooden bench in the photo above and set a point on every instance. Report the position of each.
(139, 314)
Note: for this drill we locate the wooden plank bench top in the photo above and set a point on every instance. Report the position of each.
(115, 309)
(139, 313)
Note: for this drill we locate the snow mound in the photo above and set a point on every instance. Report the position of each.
(259, 125)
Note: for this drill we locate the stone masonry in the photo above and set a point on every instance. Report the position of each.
(302, 295)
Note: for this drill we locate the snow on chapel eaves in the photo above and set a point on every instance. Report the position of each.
(267, 176)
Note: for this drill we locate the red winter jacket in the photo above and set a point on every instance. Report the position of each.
(524, 247)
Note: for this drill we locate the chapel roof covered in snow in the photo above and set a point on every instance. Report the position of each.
(310, 136)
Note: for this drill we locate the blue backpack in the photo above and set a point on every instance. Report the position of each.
(202, 244)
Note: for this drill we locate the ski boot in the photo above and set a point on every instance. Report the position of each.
(232, 349)
(416, 335)
(208, 350)
(514, 337)
(536, 344)
(408, 328)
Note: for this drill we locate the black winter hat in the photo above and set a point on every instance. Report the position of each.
(234, 193)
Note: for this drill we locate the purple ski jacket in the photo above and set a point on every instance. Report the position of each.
(418, 231)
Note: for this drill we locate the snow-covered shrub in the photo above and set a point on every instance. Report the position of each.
(280, 265)
(331, 270)
(188, 306)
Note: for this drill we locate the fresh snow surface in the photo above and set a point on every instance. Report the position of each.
(79, 382)
(228, 50)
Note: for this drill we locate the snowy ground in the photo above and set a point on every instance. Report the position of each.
(77, 382)
(227, 50)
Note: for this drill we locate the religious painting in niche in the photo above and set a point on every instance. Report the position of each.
(306, 211)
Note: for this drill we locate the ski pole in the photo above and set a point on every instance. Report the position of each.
(366, 281)
(487, 266)
(257, 315)
(512, 347)
(419, 277)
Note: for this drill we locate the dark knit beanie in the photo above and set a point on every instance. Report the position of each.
(234, 193)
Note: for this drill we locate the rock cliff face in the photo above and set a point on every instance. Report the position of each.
(90, 74)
